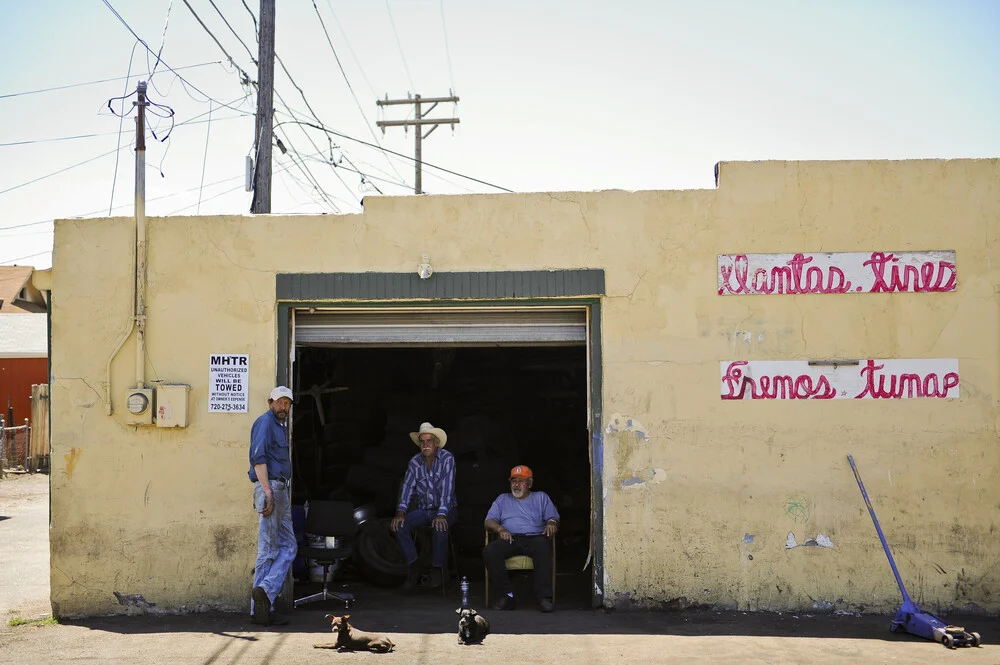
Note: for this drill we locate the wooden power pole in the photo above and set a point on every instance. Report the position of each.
(418, 123)
(265, 110)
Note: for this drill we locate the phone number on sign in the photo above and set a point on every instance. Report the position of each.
(226, 407)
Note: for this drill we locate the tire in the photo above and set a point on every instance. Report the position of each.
(378, 556)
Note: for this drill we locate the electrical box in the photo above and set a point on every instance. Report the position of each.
(139, 406)
(172, 405)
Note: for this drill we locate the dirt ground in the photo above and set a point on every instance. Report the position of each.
(424, 627)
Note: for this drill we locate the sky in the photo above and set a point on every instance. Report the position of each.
(554, 96)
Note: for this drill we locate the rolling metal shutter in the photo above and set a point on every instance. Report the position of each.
(496, 326)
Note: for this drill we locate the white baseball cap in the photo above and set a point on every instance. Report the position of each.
(281, 391)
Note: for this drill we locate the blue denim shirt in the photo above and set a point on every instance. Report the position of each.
(269, 445)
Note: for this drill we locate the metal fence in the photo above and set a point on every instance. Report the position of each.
(14, 444)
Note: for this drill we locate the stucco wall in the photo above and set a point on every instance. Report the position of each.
(705, 487)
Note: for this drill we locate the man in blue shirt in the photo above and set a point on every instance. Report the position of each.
(430, 478)
(525, 523)
(270, 472)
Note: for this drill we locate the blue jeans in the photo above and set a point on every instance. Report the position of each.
(419, 518)
(276, 546)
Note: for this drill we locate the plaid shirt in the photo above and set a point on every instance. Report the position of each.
(434, 487)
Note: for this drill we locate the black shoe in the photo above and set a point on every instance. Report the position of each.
(545, 605)
(505, 603)
(278, 620)
(412, 579)
(261, 607)
(434, 578)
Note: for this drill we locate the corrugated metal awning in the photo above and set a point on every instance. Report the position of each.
(496, 326)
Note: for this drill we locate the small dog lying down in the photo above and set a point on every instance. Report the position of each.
(472, 627)
(350, 638)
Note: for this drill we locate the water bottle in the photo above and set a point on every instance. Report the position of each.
(465, 592)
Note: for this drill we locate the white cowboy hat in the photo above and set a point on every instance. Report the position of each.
(427, 428)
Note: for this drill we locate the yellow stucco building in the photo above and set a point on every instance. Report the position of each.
(701, 363)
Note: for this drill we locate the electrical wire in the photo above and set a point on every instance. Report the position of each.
(256, 28)
(357, 63)
(246, 77)
(223, 17)
(49, 175)
(121, 120)
(447, 50)
(393, 152)
(90, 136)
(348, 82)
(183, 80)
(204, 161)
(163, 39)
(400, 45)
(29, 256)
(108, 80)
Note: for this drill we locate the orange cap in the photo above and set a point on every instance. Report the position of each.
(520, 471)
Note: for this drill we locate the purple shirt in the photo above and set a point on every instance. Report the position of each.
(434, 487)
(523, 516)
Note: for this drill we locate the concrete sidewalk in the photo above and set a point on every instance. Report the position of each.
(424, 627)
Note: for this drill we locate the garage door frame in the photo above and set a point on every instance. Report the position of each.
(543, 288)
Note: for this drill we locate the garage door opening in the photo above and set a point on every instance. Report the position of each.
(509, 387)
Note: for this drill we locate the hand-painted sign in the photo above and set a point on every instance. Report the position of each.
(863, 379)
(838, 272)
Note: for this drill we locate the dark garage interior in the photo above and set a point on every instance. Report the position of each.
(500, 406)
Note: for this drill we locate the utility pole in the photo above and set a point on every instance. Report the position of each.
(265, 110)
(418, 123)
(140, 237)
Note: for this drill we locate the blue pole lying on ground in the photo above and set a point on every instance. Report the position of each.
(909, 616)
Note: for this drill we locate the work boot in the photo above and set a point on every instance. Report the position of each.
(261, 607)
(434, 578)
(412, 578)
(545, 605)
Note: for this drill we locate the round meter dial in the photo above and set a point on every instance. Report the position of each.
(137, 403)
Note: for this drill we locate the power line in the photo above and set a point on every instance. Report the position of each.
(447, 50)
(163, 39)
(343, 34)
(222, 16)
(400, 45)
(183, 80)
(204, 162)
(21, 258)
(108, 80)
(348, 82)
(246, 77)
(90, 136)
(121, 120)
(120, 147)
(256, 28)
(86, 161)
(393, 152)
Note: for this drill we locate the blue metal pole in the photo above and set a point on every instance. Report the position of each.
(885, 545)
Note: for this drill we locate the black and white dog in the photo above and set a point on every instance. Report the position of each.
(472, 627)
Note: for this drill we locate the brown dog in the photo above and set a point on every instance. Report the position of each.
(351, 639)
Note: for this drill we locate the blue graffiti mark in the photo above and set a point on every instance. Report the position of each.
(748, 538)
(598, 457)
(634, 480)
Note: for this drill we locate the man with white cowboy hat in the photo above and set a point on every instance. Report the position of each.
(430, 483)
(270, 472)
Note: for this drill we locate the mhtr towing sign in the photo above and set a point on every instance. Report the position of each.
(228, 383)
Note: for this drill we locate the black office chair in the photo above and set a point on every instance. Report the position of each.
(336, 519)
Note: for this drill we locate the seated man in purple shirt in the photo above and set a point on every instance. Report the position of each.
(525, 523)
(430, 477)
